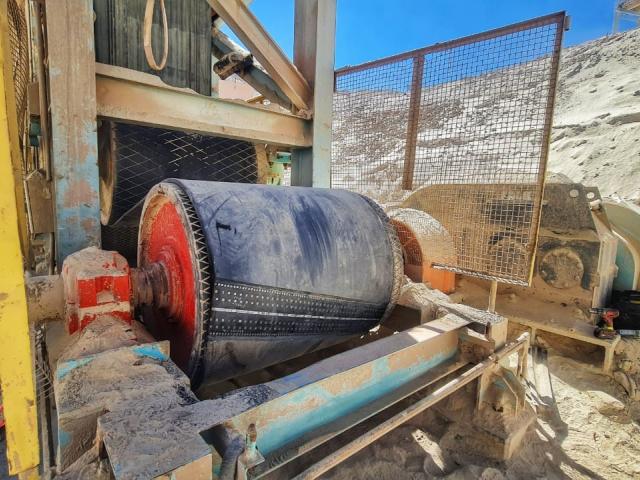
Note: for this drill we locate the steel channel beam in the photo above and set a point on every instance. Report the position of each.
(379, 431)
(252, 34)
(335, 394)
(314, 55)
(135, 97)
(16, 358)
(74, 143)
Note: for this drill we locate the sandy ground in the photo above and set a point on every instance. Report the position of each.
(593, 434)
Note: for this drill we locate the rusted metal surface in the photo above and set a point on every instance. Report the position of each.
(412, 127)
(40, 204)
(314, 56)
(253, 74)
(136, 97)
(507, 30)
(71, 60)
(448, 118)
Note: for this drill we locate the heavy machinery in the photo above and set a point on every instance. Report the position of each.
(230, 328)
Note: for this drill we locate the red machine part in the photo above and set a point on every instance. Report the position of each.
(167, 279)
(96, 282)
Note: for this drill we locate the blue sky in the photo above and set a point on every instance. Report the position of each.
(371, 29)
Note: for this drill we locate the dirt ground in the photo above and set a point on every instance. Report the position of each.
(593, 434)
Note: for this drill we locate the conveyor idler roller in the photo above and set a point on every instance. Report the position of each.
(239, 276)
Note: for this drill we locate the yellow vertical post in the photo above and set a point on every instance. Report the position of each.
(16, 360)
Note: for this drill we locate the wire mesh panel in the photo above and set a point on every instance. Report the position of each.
(459, 130)
(134, 158)
(18, 41)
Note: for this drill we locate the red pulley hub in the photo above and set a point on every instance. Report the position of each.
(168, 276)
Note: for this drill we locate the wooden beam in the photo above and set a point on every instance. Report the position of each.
(314, 56)
(135, 97)
(74, 145)
(249, 30)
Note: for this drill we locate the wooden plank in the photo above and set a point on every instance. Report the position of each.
(314, 56)
(16, 372)
(250, 32)
(136, 97)
(74, 145)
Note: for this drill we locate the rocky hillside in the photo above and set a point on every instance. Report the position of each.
(596, 134)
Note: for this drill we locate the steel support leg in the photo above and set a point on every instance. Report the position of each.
(74, 144)
(16, 360)
(314, 55)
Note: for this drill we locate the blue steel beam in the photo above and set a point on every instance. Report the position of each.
(74, 145)
(323, 400)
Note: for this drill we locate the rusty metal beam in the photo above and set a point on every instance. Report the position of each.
(404, 416)
(254, 75)
(135, 97)
(249, 30)
(414, 119)
(74, 143)
(314, 54)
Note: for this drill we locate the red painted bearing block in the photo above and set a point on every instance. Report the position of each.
(96, 282)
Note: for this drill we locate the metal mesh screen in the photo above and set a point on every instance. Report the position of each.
(134, 158)
(140, 157)
(19, 43)
(459, 130)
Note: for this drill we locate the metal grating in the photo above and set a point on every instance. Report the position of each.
(19, 43)
(144, 156)
(459, 130)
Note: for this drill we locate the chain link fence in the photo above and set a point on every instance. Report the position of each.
(459, 130)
